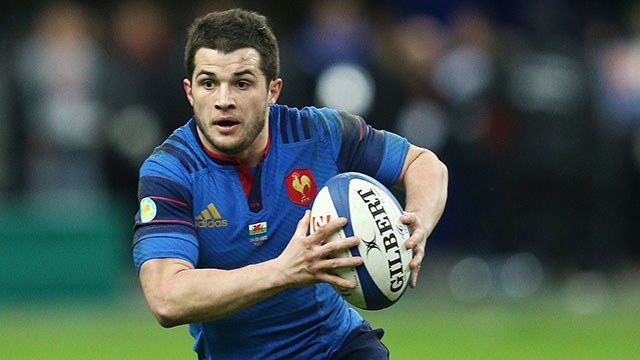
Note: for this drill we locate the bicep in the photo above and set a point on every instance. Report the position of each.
(412, 154)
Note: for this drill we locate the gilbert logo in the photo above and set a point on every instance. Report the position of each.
(210, 218)
(389, 240)
(301, 186)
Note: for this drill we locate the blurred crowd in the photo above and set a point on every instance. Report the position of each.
(533, 105)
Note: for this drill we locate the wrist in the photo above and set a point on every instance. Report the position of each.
(275, 276)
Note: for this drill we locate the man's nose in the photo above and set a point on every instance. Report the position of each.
(225, 99)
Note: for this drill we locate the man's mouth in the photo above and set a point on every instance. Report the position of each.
(226, 123)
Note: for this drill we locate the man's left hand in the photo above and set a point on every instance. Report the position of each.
(417, 242)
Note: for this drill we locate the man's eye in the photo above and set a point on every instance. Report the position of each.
(242, 84)
(207, 84)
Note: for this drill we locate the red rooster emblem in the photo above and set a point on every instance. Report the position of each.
(299, 183)
(301, 187)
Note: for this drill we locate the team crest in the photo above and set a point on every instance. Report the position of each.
(301, 186)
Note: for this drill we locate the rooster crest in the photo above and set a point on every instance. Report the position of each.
(299, 183)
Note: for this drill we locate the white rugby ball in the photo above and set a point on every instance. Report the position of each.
(373, 214)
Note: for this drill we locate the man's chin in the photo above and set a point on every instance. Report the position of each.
(229, 150)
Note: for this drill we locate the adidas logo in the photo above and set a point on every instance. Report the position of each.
(210, 218)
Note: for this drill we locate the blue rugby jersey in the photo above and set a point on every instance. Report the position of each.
(218, 213)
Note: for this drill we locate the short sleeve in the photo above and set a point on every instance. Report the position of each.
(361, 148)
(164, 225)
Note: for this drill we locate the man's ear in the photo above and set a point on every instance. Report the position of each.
(186, 84)
(274, 90)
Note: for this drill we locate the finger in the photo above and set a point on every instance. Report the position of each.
(415, 264)
(413, 222)
(338, 262)
(329, 228)
(414, 278)
(418, 256)
(337, 281)
(335, 246)
(417, 237)
(408, 218)
(303, 225)
(416, 225)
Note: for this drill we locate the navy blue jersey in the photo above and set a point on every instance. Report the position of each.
(215, 212)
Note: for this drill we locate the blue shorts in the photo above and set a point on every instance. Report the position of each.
(363, 343)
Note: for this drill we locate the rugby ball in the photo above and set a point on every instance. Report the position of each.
(373, 214)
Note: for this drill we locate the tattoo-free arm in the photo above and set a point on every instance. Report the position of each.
(425, 180)
(178, 293)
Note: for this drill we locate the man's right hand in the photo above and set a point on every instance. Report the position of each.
(308, 260)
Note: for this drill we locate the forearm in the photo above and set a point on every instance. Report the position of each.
(425, 182)
(179, 294)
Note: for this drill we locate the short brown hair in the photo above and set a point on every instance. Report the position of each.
(230, 30)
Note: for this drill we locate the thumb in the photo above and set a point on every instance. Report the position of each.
(303, 225)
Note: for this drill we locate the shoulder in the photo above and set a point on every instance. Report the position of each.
(178, 157)
(295, 124)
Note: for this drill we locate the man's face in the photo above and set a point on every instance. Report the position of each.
(231, 100)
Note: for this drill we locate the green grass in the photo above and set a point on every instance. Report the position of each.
(418, 327)
(537, 329)
(81, 332)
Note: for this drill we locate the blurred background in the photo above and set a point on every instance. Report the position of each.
(533, 105)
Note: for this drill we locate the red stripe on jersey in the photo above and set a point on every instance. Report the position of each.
(266, 149)
(165, 198)
(246, 178)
